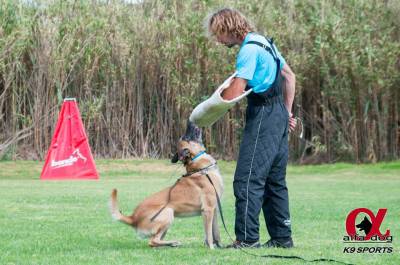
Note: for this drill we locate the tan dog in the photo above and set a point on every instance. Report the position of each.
(192, 195)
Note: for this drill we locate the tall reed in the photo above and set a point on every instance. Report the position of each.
(138, 70)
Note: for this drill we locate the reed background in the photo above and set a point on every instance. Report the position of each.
(138, 70)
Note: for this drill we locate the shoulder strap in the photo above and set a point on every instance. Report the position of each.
(271, 43)
(270, 49)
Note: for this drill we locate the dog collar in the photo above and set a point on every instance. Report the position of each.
(198, 155)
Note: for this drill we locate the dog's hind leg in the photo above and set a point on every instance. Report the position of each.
(215, 230)
(164, 234)
(162, 223)
(156, 241)
(208, 215)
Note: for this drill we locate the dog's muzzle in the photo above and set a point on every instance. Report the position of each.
(183, 156)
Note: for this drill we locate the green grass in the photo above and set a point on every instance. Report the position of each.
(67, 222)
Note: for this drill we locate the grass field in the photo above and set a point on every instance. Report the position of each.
(67, 222)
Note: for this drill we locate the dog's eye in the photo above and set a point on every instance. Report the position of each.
(186, 152)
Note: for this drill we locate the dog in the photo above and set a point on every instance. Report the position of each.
(192, 195)
(365, 225)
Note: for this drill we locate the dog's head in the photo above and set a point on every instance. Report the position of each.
(365, 225)
(189, 145)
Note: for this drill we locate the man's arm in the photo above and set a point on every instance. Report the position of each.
(288, 93)
(235, 89)
(289, 85)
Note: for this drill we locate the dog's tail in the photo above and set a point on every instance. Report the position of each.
(115, 212)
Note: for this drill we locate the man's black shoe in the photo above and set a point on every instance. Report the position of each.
(244, 244)
(279, 243)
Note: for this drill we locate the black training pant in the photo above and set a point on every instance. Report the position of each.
(259, 181)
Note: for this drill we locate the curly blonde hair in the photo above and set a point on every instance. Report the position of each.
(230, 21)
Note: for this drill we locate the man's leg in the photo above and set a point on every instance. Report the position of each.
(276, 200)
(250, 175)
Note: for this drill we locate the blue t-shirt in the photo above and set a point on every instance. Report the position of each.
(257, 65)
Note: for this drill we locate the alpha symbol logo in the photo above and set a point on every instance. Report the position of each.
(372, 233)
(73, 158)
(370, 228)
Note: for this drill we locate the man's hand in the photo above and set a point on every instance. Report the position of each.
(292, 122)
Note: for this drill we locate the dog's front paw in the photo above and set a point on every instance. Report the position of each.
(208, 245)
(218, 244)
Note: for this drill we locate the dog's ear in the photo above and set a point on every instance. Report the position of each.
(175, 158)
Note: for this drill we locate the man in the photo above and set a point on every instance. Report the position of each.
(259, 181)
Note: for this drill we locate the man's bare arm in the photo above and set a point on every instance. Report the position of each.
(235, 89)
(289, 86)
(288, 93)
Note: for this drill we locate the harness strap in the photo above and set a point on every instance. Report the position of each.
(265, 47)
(200, 170)
(169, 198)
(173, 186)
(272, 89)
(271, 50)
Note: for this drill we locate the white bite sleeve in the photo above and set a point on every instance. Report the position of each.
(209, 111)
